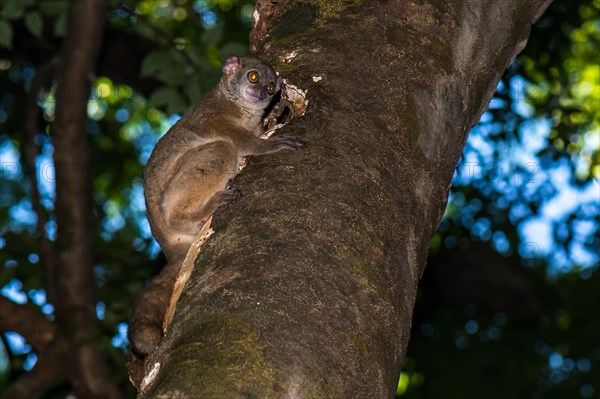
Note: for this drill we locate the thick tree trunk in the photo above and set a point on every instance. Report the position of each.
(306, 289)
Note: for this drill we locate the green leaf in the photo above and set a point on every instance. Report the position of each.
(167, 66)
(34, 23)
(155, 62)
(234, 48)
(212, 36)
(193, 89)
(55, 8)
(13, 9)
(6, 34)
(169, 98)
(60, 26)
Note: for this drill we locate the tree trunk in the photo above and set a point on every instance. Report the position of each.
(306, 289)
(71, 276)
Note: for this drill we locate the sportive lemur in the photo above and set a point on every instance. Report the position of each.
(188, 172)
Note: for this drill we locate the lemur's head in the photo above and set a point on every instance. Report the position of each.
(250, 81)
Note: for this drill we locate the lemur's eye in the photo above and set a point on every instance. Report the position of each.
(271, 88)
(253, 76)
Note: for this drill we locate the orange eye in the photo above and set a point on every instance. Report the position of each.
(271, 88)
(253, 76)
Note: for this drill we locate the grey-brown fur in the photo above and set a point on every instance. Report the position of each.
(187, 175)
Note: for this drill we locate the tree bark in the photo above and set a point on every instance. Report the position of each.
(306, 289)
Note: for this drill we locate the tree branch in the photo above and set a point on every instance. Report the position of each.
(42, 80)
(118, 45)
(75, 307)
(34, 383)
(28, 322)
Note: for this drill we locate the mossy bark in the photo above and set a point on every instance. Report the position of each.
(306, 289)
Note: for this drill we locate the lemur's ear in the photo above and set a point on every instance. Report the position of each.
(232, 65)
